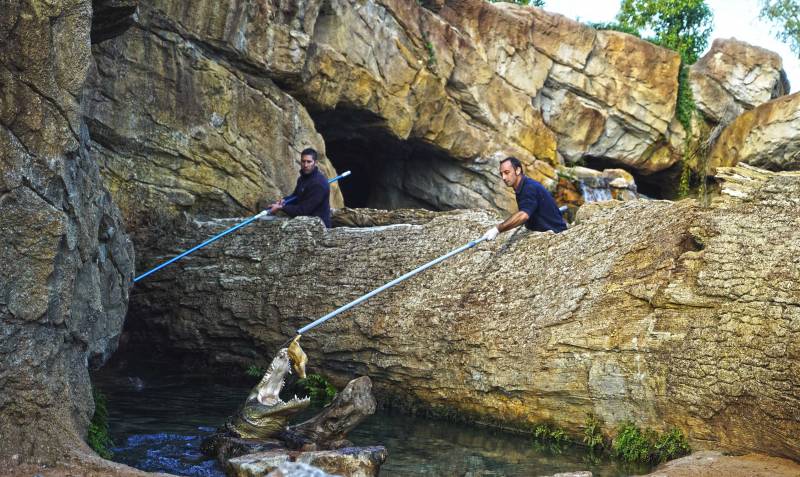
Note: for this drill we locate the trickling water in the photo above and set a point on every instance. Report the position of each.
(595, 194)
(158, 426)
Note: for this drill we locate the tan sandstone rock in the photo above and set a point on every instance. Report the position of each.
(712, 464)
(198, 108)
(176, 127)
(765, 136)
(667, 314)
(734, 77)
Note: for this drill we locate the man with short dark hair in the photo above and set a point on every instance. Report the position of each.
(537, 208)
(312, 191)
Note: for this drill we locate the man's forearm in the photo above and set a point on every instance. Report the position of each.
(514, 221)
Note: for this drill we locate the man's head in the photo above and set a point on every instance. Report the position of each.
(308, 160)
(511, 171)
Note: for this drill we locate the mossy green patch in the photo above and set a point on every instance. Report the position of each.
(633, 444)
(98, 437)
(319, 389)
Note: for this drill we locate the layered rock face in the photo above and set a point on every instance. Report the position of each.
(65, 260)
(180, 124)
(667, 314)
(202, 108)
(765, 136)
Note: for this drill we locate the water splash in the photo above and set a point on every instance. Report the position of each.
(166, 452)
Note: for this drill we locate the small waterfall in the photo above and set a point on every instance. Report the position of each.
(595, 194)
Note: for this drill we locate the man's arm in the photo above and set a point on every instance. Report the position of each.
(514, 221)
(311, 199)
(278, 205)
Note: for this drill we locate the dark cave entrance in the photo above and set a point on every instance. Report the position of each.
(660, 185)
(387, 172)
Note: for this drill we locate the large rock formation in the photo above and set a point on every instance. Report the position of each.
(668, 314)
(179, 126)
(765, 136)
(733, 77)
(197, 108)
(65, 260)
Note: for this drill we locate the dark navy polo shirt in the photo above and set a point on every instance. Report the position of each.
(313, 197)
(542, 210)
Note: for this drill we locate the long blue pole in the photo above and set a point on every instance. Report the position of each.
(224, 233)
(388, 285)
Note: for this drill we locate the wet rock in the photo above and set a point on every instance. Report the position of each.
(347, 462)
(349, 408)
(609, 184)
(224, 447)
(297, 469)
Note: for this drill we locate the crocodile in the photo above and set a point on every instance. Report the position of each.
(264, 414)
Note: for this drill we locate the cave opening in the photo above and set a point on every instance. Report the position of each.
(387, 172)
(659, 185)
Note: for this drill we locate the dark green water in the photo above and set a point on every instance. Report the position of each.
(157, 424)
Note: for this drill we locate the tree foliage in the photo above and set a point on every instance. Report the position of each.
(681, 25)
(535, 3)
(786, 15)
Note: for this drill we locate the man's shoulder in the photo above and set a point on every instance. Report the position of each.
(530, 185)
(321, 176)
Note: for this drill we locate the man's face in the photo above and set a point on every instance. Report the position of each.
(307, 164)
(508, 173)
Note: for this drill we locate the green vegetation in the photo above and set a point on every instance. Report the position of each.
(670, 445)
(319, 389)
(431, 54)
(98, 438)
(592, 434)
(632, 444)
(255, 371)
(681, 25)
(636, 445)
(535, 3)
(685, 107)
(616, 27)
(785, 14)
(547, 434)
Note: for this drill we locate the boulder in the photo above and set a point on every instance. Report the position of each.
(66, 263)
(711, 463)
(765, 136)
(734, 76)
(297, 469)
(347, 462)
(663, 313)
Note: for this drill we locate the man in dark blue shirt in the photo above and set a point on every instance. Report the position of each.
(537, 209)
(312, 191)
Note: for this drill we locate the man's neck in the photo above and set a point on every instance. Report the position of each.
(309, 172)
(520, 180)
